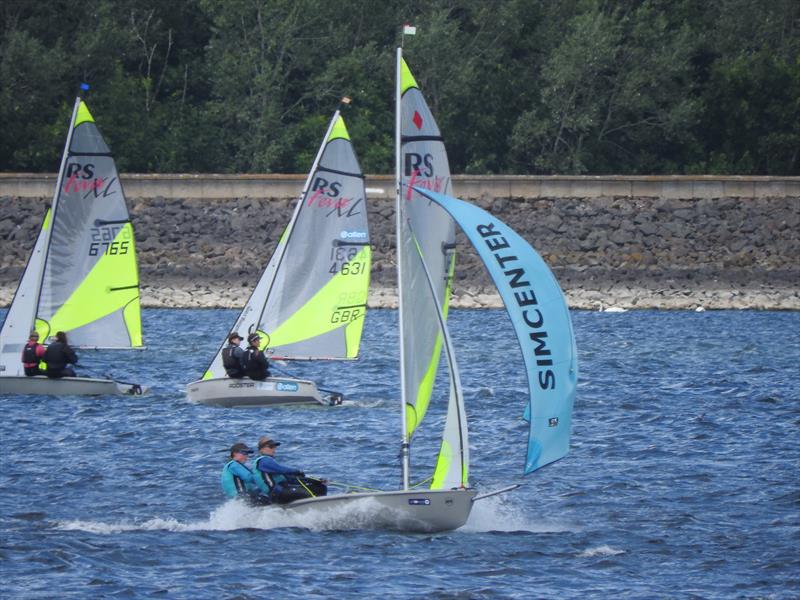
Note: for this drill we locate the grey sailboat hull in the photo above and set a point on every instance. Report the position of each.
(424, 511)
(68, 386)
(242, 393)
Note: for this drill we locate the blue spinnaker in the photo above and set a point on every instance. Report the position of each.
(540, 316)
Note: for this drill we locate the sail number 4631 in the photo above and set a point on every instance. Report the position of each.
(341, 258)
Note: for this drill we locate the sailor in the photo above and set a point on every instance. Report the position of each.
(282, 484)
(32, 355)
(233, 357)
(59, 356)
(237, 480)
(256, 365)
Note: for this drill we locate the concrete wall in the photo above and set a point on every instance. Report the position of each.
(629, 241)
(205, 186)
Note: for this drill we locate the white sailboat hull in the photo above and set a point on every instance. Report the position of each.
(242, 393)
(424, 511)
(67, 386)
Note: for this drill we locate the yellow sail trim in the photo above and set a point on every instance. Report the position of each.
(111, 285)
(83, 116)
(406, 78)
(339, 131)
(47, 219)
(207, 375)
(442, 466)
(415, 415)
(322, 313)
(42, 328)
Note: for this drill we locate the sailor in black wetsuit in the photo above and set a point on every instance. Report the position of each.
(233, 357)
(59, 356)
(256, 365)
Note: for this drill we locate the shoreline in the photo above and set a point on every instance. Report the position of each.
(614, 298)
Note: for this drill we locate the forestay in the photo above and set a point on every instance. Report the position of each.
(422, 161)
(311, 299)
(541, 320)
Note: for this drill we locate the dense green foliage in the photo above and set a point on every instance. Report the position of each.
(518, 86)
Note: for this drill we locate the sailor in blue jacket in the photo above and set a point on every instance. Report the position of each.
(283, 484)
(237, 480)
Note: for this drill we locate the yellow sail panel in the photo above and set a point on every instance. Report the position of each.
(111, 285)
(339, 131)
(322, 314)
(352, 335)
(132, 314)
(425, 388)
(83, 115)
(442, 466)
(406, 78)
(42, 328)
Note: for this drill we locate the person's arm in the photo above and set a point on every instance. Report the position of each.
(73, 358)
(270, 465)
(40, 350)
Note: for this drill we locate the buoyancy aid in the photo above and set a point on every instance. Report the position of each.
(31, 355)
(256, 365)
(230, 362)
(266, 482)
(232, 484)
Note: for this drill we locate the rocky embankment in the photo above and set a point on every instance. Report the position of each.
(606, 252)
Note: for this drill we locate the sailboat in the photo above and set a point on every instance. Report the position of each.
(311, 299)
(426, 218)
(81, 277)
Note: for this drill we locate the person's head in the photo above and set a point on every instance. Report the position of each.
(253, 339)
(267, 445)
(61, 337)
(34, 336)
(240, 452)
(234, 338)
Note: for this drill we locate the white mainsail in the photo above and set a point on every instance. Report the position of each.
(311, 300)
(82, 276)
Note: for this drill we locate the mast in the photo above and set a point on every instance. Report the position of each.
(56, 194)
(404, 447)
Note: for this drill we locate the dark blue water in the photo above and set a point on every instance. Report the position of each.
(683, 479)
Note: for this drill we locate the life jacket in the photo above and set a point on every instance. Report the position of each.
(230, 362)
(255, 364)
(267, 482)
(58, 355)
(232, 484)
(30, 358)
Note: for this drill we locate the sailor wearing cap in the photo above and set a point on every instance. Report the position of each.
(233, 357)
(256, 365)
(283, 484)
(237, 480)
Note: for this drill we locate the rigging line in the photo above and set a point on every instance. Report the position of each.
(416, 485)
(305, 487)
(351, 486)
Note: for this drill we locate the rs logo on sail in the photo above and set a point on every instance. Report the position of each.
(526, 300)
